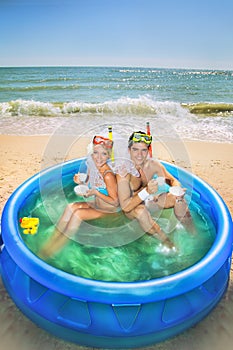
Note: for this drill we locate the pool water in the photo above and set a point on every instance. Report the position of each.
(115, 248)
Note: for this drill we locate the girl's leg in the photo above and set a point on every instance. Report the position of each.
(60, 238)
(68, 213)
(81, 214)
(58, 234)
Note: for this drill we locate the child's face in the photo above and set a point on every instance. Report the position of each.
(100, 155)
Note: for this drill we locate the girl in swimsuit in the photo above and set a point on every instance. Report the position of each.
(104, 192)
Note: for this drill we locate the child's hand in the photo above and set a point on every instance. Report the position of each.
(80, 178)
(152, 186)
(91, 192)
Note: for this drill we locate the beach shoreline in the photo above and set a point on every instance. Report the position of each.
(23, 156)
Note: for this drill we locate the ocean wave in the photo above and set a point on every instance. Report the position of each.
(123, 106)
(36, 80)
(167, 119)
(193, 72)
(41, 88)
(28, 108)
(210, 109)
(143, 105)
(179, 72)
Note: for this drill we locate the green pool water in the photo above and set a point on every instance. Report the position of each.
(115, 248)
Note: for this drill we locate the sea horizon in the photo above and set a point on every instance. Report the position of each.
(115, 66)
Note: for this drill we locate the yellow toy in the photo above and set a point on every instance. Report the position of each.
(30, 225)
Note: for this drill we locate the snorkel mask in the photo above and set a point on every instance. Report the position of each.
(140, 137)
(100, 140)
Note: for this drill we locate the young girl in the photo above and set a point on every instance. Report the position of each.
(105, 197)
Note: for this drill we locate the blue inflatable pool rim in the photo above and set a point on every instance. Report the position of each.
(115, 291)
(109, 314)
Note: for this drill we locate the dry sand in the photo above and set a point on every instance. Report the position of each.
(23, 156)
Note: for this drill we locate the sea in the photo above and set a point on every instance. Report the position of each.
(190, 104)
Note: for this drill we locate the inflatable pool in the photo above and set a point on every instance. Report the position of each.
(109, 314)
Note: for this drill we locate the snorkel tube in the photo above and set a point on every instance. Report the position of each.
(148, 133)
(110, 137)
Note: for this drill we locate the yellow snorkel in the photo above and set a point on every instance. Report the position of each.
(110, 138)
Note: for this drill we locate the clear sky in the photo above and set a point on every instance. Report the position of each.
(149, 33)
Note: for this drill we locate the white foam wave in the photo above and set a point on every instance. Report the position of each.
(125, 106)
(168, 119)
(28, 108)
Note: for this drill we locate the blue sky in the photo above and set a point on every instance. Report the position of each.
(149, 33)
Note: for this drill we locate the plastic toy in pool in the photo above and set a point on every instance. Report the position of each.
(30, 225)
(109, 314)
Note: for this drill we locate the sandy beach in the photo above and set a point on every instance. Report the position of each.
(23, 156)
